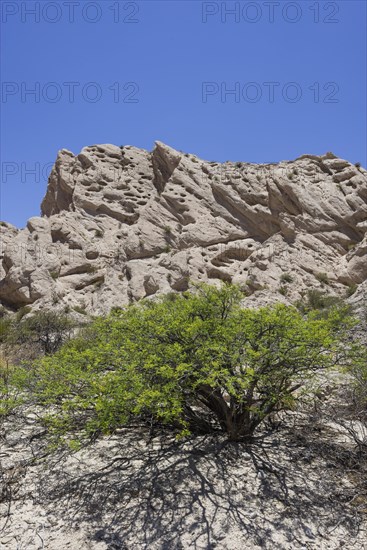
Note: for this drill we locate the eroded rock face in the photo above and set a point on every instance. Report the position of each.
(121, 223)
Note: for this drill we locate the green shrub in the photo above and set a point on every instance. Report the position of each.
(5, 328)
(286, 278)
(3, 312)
(351, 289)
(80, 309)
(317, 300)
(11, 380)
(196, 362)
(322, 278)
(48, 329)
(116, 309)
(24, 310)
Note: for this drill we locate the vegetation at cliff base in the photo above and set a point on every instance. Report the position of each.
(196, 362)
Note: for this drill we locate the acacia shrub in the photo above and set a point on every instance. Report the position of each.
(42, 333)
(196, 361)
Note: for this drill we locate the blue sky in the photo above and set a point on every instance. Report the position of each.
(163, 70)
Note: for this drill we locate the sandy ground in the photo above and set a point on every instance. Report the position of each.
(293, 488)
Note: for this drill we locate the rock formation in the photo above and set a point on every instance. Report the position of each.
(121, 223)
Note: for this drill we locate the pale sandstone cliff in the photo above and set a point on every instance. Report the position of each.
(121, 223)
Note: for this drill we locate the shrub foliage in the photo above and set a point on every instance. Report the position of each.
(42, 333)
(196, 361)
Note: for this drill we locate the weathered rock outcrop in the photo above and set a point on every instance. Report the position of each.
(121, 223)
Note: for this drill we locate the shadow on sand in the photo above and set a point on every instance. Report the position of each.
(279, 492)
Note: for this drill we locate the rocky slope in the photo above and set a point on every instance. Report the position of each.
(121, 223)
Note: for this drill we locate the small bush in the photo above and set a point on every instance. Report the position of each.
(3, 312)
(11, 378)
(116, 309)
(5, 328)
(317, 300)
(283, 290)
(22, 312)
(322, 278)
(286, 278)
(351, 290)
(43, 332)
(99, 233)
(80, 309)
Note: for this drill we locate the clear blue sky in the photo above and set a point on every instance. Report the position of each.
(168, 53)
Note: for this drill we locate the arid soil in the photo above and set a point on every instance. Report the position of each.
(299, 484)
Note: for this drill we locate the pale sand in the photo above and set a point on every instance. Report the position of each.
(288, 490)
